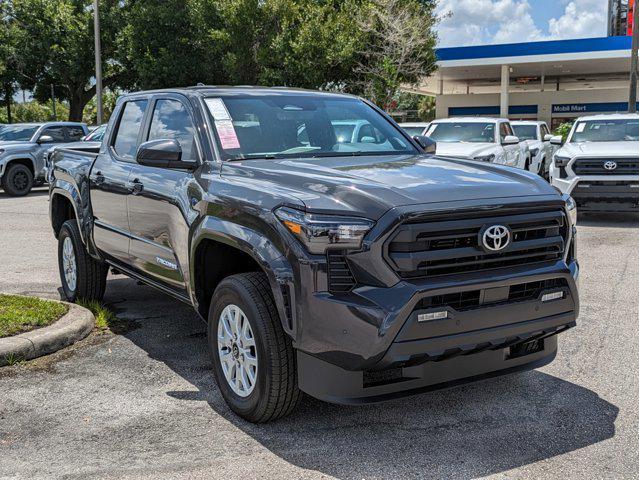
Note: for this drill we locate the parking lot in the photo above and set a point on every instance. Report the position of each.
(144, 403)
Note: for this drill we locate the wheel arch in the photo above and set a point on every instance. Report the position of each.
(22, 159)
(243, 250)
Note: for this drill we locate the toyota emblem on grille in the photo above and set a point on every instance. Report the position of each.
(495, 238)
(610, 165)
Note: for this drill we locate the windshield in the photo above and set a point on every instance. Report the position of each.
(413, 130)
(289, 125)
(20, 133)
(471, 132)
(525, 132)
(96, 135)
(606, 131)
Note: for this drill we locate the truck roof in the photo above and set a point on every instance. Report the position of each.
(470, 119)
(611, 116)
(222, 90)
(41, 124)
(528, 122)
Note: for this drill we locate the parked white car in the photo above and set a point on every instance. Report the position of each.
(537, 137)
(415, 128)
(599, 163)
(479, 138)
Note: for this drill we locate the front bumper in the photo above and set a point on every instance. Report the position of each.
(420, 356)
(601, 192)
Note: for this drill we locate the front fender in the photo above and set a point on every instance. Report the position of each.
(10, 157)
(268, 256)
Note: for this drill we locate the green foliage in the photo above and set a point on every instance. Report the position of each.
(105, 319)
(407, 106)
(35, 111)
(563, 130)
(90, 115)
(21, 314)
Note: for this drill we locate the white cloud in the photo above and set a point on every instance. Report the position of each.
(582, 18)
(476, 22)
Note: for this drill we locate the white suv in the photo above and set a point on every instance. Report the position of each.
(537, 137)
(479, 138)
(599, 163)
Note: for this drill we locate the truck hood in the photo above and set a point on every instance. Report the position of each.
(16, 145)
(465, 150)
(599, 149)
(371, 185)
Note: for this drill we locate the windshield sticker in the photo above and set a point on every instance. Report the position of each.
(226, 132)
(218, 109)
(580, 127)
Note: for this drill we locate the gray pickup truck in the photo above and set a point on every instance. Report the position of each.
(22, 151)
(328, 251)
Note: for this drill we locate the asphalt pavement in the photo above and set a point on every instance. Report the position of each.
(144, 404)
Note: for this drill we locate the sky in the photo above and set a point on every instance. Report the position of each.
(483, 22)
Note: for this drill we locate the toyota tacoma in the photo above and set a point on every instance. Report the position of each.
(598, 165)
(355, 268)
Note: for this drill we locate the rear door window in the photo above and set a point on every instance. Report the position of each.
(126, 138)
(75, 133)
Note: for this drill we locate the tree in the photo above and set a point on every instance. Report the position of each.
(400, 49)
(54, 46)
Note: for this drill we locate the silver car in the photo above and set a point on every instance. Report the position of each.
(22, 151)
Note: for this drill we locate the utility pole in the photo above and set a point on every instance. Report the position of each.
(55, 115)
(632, 98)
(98, 60)
(8, 94)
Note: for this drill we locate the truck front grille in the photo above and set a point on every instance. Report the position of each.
(472, 299)
(595, 166)
(444, 247)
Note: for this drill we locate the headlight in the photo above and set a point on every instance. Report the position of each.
(485, 158)
(571, 206)
(534, 152)
(561, 161)
(318, 232)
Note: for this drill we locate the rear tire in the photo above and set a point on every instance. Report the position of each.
(256, 373)
(83, 277)
(17, 181)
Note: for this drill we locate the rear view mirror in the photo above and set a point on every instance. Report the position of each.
(547, 137)
(510, 140)
(428, 144)
(45, 139)
(162, 154)
(557, 140)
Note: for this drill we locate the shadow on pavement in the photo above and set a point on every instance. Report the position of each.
(608, 219)
(464, 432)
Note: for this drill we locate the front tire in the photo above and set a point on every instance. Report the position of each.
(17, 180)
(253, 358)
(82, 276)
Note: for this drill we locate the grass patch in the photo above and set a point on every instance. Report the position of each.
(21, 314)
(105, 319)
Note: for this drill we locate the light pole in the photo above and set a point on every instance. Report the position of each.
(98, 61)
(632, 98)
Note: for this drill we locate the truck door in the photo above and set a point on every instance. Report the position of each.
(160, 206)
(109, 179)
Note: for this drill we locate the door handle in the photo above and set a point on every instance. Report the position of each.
(136, 186)
(99, 178)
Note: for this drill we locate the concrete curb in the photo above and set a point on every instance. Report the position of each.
(73, 326)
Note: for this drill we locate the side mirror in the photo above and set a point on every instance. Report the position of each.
(557, 140)
(547, 137)
(162, 154)
(510, 140)
(45, 139)
(428, 144)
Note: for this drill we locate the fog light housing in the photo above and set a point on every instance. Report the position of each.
(549, 297)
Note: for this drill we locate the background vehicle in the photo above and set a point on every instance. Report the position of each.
(323, 266)
(599, 163)
(22, 151)
(489, 140)
(415, 128)
(537, 137)
(89, 143)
